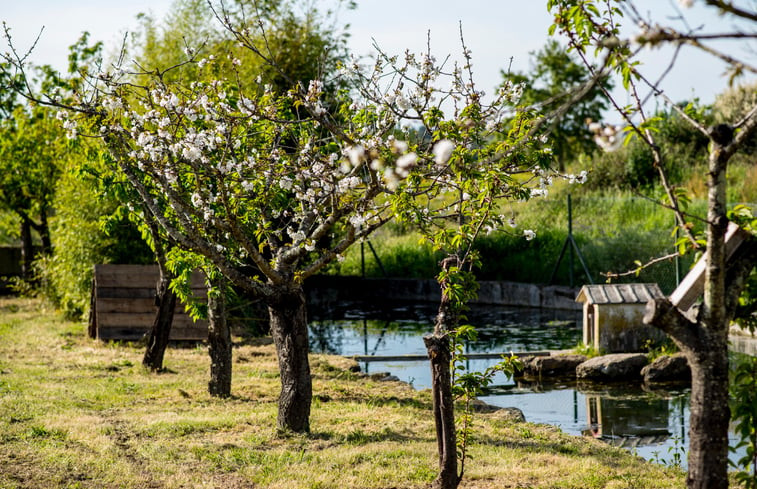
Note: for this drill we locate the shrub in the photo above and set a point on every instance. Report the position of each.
(79, 242)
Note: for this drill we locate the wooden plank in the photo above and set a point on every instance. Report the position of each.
(124, 303)
(126, 276)
(137, 293)
(136, 334)
(691, 287)
(144, 320)
(126, 293)
(132, 306)
(126, 306)
(469, 356)
(135, 276)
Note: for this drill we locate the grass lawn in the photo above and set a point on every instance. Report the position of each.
(79, 413)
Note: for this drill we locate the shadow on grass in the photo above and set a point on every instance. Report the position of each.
(541, 444)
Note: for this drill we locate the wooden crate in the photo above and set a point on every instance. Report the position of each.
(123, 304)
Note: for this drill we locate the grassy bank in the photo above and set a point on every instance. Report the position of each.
(78, 413)
(613, 231)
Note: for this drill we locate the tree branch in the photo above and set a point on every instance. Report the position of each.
(733, 9)
(662, 314)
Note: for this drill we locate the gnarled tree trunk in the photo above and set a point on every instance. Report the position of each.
(704, 340)
(165, 299)
(157, 339)
(289, 329)
(219, 341)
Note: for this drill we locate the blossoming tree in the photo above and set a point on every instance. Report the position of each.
(484, 153)
(702, 332)
(270, 187)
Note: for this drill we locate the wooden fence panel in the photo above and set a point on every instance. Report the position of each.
(123, 304)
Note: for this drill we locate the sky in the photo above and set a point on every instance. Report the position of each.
(500, 33)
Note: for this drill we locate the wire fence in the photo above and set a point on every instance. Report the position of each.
(624, 240)
(620, 240)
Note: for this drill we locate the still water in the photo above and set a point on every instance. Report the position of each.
(651, 423)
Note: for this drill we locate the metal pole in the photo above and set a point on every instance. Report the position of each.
(570, 236)
(677, 258)
(362, 258)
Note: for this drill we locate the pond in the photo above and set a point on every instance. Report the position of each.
(651, 423)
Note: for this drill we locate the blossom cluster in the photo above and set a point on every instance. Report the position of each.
(236, 168)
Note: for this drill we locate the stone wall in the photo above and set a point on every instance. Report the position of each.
(325, 289)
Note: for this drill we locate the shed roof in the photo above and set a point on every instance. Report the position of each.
(619, 293)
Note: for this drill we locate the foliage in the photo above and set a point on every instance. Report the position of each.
(747, 307)
(632, 229)
(270, 186)
(295, 42)
(596, 26)
(554, 76)
(660, 349)
(589, 351)
(467, 386)
(81, 241)
(31, 148)
(683, 149)
(10, 224)
(400, 254)
(732, 104)
(744, 416)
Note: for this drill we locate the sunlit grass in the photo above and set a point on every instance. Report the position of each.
(78, 413)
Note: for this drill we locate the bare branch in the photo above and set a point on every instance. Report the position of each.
(636, 271)
(733, 9)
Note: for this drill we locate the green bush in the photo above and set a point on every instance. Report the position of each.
(613, 232)
(399, 255)
(79, 243)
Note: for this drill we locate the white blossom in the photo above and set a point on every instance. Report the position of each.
(529, 234)
(356, 154)
(443, 151)
(191, 153)
(70, 126)
(392, 179)
(399, 146)
(405, 163)
(112, 103)
(357, 221)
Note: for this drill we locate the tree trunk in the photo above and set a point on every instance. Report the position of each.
(705, 340)
(289, 329)
(709, 419)
(219, 341)
(157, 340)
(438, 348)
(165, 299)
(27, 248)
(44, 233)
(440, 356)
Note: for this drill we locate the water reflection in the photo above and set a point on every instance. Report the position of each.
(365, 329)
(653, 424)
(629, 419)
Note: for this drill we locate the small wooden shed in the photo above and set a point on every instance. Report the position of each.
(123, 304)
(612, 316)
